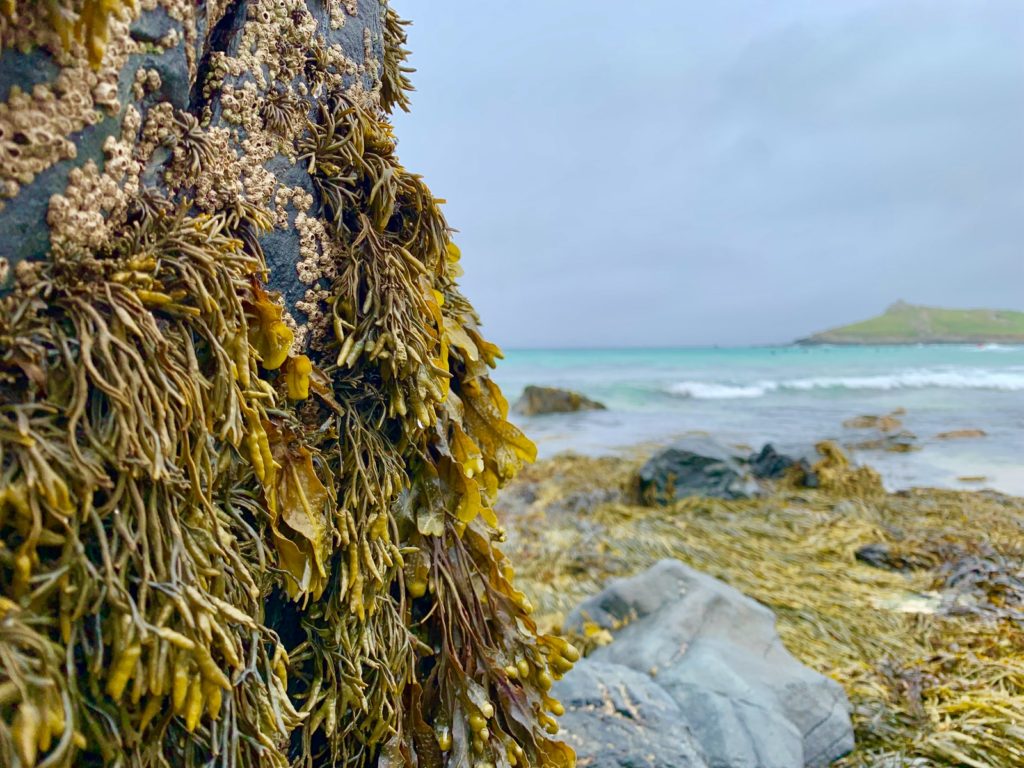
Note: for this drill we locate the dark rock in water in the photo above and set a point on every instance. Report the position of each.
(693, 467)
(539, 400)
(616, 717)
(769, 464)
(741, 695)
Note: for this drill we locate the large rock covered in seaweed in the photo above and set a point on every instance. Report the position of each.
(179, 99)
(707, 668)
(249, 443)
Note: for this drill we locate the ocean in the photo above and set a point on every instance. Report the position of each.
(792, 397)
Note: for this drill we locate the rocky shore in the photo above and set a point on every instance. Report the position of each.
(912, 602)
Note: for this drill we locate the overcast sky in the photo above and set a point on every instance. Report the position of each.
(671, 172)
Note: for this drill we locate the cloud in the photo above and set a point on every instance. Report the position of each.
(738, 172)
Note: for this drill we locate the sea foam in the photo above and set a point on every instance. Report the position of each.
(1007, 380)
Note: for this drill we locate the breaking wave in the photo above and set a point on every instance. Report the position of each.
(1011, 380)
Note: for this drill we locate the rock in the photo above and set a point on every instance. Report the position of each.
(539, 400)
(879, 555)
(769, 464)
(900, 442)
(887, 423)
(961, 434)
(715, 652)
(195, 62)
(983, 584)
(693, 467)
(616, 717)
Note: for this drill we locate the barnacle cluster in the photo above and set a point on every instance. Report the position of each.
(228, 537)
(36, 126)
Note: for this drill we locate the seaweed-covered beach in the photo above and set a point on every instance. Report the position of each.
(913, 601)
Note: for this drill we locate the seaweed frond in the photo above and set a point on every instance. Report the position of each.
(395, 82)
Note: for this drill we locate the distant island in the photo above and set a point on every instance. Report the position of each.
(904, 323)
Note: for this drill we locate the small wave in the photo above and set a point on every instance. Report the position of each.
(997, 348)
(1007, 381)
(702, 390)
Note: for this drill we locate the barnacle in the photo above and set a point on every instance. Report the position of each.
(84, 21)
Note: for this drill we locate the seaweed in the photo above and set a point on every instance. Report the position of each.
(930, 657)
(86, 22)
(219, 545)
(395, 82)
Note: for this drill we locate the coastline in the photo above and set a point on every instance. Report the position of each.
(916, 651)
(900, 341)
(792, 396)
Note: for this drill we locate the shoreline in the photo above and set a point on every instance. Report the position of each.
(872, 628)
(935, 464)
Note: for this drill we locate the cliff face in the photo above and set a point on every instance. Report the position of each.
(248, 441)
(904, 323)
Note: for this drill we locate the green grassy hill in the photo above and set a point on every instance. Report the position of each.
(904, 323)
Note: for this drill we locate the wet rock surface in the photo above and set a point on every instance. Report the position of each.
(714, 653)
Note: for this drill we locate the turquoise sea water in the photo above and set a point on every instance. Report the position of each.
(793, 396)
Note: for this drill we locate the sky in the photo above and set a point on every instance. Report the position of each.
(675, 173)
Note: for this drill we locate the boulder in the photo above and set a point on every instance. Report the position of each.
(743, 697)
(693, 467)
(616, 717)
(540, 400)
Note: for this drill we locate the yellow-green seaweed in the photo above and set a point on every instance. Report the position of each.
(220, 548)
(930, 649)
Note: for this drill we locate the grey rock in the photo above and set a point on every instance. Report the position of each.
(695, 466)
(748, 702)
(151, 26)
(25, 69)
(769, 464)
(540, 400)
(616, 717)
(24, 233)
